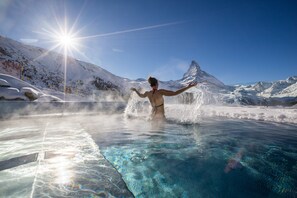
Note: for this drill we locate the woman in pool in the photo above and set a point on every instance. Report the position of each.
(156, 99)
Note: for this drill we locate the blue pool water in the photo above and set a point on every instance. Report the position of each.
(111, 156)
(215, 158)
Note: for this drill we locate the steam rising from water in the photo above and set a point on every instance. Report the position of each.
(184, 108)
(16, 109)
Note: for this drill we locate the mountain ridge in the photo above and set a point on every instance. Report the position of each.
(44, 68)
(195, 73)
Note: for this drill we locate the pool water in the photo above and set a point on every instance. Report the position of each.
(215, 158)
(112, 156)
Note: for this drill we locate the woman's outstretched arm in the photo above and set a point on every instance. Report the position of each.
(139, 94)
(174, 93)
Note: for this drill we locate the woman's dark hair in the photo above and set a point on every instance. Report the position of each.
(153, 81)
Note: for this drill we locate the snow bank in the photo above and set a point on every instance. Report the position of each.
(48, 98)
(30, 93)
(12, 88)
(4, 83)
(188, 113)
(10, 93)
(276, 114)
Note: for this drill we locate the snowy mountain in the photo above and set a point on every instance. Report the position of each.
(281, 88)
(44, 71)
(282, 92)
(195, 73)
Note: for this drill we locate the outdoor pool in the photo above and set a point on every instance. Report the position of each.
(112, 156)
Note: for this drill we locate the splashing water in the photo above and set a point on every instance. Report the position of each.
(186, 113)
(205, 105)
(136, 107)
(175, 111)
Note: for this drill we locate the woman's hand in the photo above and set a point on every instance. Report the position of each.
(139, 94)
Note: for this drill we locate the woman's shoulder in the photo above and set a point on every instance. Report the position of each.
(148, 92)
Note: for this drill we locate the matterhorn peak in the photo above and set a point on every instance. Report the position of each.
(193, 70)
(194, 64)
(195, 73)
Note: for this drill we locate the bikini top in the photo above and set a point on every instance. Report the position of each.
(159, 105)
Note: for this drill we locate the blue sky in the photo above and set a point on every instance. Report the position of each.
(237, 41)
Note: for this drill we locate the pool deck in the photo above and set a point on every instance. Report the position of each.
(54, 157)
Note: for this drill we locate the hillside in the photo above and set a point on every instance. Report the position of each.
(45, 69)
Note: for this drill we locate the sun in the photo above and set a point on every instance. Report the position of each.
(62, 39)
(66, 40)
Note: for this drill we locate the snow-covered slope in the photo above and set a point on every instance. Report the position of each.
(282, 92)
(281, 88)
(45, 69)
(290, 91)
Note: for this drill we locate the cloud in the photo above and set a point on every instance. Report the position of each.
(172, 70)
(28, 41)
(117, 50)
(135, 29)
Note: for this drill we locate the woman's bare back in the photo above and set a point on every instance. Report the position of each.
(157, 101)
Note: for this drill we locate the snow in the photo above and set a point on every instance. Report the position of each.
(281, 115)
(10, 93)
(15, 89)
(34, 92)
(281, 88)
(4, 83)
(15, 82)
(190, 113)
(45, 69)
(290, 91)
(274, 114)
(195, 73)
(48, 98)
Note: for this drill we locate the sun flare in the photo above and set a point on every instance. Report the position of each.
(62, 39)
(66, 40)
